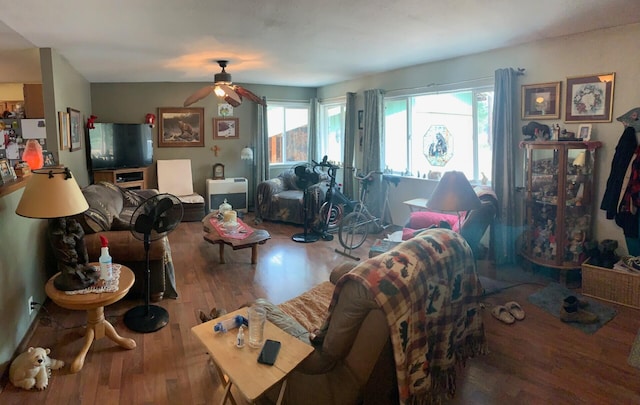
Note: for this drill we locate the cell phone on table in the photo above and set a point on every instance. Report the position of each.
(269, 352)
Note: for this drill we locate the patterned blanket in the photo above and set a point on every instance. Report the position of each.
(429, 290)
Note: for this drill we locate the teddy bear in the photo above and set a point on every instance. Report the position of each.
(33, 368)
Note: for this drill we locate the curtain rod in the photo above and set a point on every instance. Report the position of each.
(519, 72)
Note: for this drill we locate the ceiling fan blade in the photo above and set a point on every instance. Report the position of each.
(250, 95)
(198, 95)
(230, 95)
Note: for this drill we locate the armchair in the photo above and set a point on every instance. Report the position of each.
(279, 199)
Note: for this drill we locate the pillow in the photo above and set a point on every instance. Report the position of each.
(105, 204)
(426, 219)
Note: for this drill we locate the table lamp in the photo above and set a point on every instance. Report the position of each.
(454, 193)
(54, 194)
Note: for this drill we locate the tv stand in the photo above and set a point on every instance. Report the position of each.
(134, 178)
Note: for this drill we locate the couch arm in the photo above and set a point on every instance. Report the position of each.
(264, 194)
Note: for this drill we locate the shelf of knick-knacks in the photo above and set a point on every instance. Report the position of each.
(558, 202)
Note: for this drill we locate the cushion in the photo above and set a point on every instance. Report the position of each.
(105, 203)
(426, 219)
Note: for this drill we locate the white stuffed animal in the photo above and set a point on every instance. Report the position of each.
(33, 368)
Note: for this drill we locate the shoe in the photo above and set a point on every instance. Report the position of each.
(572, 299)
(515, 310)
(579, 316)
(502, 314)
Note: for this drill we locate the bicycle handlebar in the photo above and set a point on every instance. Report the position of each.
(361, 177)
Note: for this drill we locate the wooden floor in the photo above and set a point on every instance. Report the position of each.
(536, 361)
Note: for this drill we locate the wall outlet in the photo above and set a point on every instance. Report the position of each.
(30, 305)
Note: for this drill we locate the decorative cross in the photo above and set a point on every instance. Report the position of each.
(215, 150)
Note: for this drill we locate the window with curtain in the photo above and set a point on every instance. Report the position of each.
(288, 132)
(331, 131)
(439, 132)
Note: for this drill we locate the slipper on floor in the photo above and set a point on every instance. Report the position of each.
(515, 310)
(502, 314)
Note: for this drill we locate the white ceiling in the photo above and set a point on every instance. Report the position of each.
(286, 42)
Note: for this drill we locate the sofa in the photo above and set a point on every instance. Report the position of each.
(280, 199)
(109, 213)
(393, 329)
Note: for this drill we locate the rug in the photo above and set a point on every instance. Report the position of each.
(634, 355)
(550, 299)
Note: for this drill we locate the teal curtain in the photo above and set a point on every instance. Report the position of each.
(313, 130)
(371, 144)
(505, 115)
(261, 152)
(349, 144)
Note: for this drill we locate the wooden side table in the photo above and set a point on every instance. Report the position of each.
(241, 365)
(258, 237)
(94, 303)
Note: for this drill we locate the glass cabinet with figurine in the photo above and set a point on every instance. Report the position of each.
(559, 202)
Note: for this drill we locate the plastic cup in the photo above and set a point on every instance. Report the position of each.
(257, 316)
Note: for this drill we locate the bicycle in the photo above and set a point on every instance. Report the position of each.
(354, 228)
(335, 205)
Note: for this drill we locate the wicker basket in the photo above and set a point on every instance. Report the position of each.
(611, 285)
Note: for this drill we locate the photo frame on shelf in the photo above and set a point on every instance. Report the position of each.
(63, 130)
(180, 127)
(49, 159)
(75, 129)
(541, 101)
(6, 174)
(226, 128)
(584, 132)
(590, 98)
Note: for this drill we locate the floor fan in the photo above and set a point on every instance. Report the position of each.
(305, 177)
(152, 220)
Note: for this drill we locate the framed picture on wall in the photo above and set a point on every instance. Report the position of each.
(590, 98)
(541, 101)
(226, 128)
(63, 130)
(180, 127)
(75, 129)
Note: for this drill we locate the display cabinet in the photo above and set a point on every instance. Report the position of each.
(559, 202)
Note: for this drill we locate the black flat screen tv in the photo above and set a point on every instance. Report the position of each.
(120, 146)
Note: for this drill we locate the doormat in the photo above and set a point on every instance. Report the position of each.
(634, 355)
(550, 299)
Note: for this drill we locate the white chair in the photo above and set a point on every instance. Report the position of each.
(174, 177)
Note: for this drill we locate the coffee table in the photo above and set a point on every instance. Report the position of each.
(94, 303)
(258, 237)
(240, 365)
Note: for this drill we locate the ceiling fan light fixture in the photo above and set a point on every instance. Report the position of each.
(219, 92)
(222, 77)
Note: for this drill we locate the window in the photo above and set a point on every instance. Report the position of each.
(288, 132)
(331, 131)
(440, 132)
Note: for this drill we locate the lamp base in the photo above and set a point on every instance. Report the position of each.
(71, 279)
(146, 318)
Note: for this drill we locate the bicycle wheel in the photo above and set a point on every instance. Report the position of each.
(331, 215)
(353, 230)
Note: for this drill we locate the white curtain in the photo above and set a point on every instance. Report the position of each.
(313, 131)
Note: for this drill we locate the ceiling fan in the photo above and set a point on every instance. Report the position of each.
(224, 89)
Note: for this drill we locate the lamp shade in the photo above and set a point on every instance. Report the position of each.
(454, 193)
(246, 153)
(51, 193)
(580, 160)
